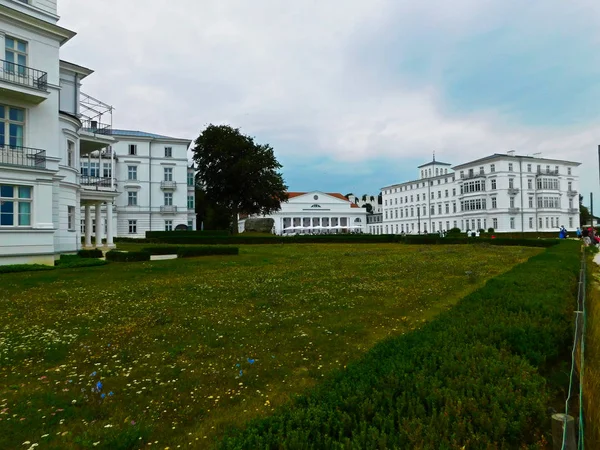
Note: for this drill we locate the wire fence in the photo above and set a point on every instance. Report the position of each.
(574, 403)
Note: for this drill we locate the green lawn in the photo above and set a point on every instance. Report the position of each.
(186, 348)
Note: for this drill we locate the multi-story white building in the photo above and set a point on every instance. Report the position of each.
(49, 129)
(505, 192)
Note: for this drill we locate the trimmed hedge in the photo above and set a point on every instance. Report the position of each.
(162, 250)
(92, 253)
(14, 268)
(76, 261)
(161, 234)
(190, 252)
(118, 256)
(468, 379)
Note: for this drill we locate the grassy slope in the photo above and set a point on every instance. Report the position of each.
(170, 338)
(592, 362)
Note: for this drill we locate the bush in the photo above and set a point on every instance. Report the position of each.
(470, 378)
(13, 268)
(162, 250)
(118, 256)
(490, 230)
(161, 234)
(75, 261)
(92, 253)
(190, 252)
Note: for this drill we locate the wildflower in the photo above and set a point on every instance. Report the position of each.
(110, 394)
(99, 386)
(251, 361)
(103, 395)
(93, 374)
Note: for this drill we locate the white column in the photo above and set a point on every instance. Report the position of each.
(88, 226)
(98, 239)
(109, 225)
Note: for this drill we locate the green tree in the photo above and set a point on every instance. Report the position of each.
(238, 174)
(585, 217)
(209, 214)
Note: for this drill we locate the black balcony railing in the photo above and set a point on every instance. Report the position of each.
(22, 156)
(23, 75)
(93, 126)
(97, 183)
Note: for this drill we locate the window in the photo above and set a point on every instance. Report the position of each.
(453, 192)
(190, 178)
(473, 205)
(447, 208)
(529, 183)
(15, 206)
(424, 211)
(107, 170)
(432, 195)
(570, 186)
(446, 193)
(528, 167)
(512, 223)
(412, 212)
(411, 198)
(70, 154)
(439, 194)
(12, 125)
(168, 174)
(132, 198)
(132, 172)
(494, 203)
(432, 210)
(556, 169)
(168, 152)
(454, 207)
(492, 168)
(169, 225)
(495, 223)
(570, 203)
(417, 197)
(132, 224)
(493, 184)
(512, 202)
(440, 209)
(396, 211)
(568, 171)
(531, 202)
(190, 203)
(531, 223)
(570, 222)
(71, 218)
(433, 227)
(385, 202)
(510, 167)
(396, 200)
(15, 54)
(541, 222)
(462, 174)
(447, 225)
(481, 171)
(511, 183)
(132, 149)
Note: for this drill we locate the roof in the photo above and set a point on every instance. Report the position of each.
(83, 71)
(331, 194)
(143, 134)
(434, 162)
(506, 155)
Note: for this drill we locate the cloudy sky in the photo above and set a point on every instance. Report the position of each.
(353, 94)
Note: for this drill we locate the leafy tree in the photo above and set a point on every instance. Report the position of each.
(238, 174)
(209, 214)
(585, 217)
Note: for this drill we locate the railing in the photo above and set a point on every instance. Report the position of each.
(97, 183)
(93, 126)
(513, 210)
(573, 211)
(513, 191)
(571, 193)
(168, 184)
(22, 156)
(23, 75)
(168, 209)
(541, 171)
(471, 176)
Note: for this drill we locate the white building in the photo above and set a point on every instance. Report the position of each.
(317, 212)
(506, 192)
(48, 129)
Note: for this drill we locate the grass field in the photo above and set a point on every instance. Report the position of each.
(592, 362)
(182, 349)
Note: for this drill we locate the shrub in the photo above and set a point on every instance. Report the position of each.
(91, 253)
(469, 378)
(75, 262)
(206, 233)
(490, 230)
(190, 252)
(118, 256)
(162, 250)
(13, 268)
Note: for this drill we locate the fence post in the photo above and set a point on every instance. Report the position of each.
(558, 421)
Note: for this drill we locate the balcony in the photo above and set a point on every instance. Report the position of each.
(541, 171)
(571, 193)
(22, 157)
(23, 83)
(472, 176)
(573, 211)
(513, 191)
(168, 209)
(168, 185)
(514, 210)
(95, 127)
(97, 183)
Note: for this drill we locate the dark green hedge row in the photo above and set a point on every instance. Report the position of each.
(13, 268)
(161, 234)
(118, 256)
(183, 252)
(92, 253)
(190, 252)
(468, 379)
(65, 262)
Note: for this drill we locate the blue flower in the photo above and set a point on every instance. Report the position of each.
(110, 394)
(103, 395)
(241, 372)
(251, 361)
(99, 386)
(93, 374)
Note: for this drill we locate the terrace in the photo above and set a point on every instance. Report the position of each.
(22, 157)
(23, 83)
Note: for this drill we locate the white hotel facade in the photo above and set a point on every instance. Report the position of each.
(50, 140)
(507, 192)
